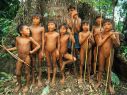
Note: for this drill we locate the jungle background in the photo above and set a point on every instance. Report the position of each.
(15, 12)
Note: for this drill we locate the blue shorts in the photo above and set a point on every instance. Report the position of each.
(77, 45)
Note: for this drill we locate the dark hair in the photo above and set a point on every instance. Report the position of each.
(52, 21)
(108, 20)
(99, 16)
(84, 22)
(20, 27)
(71, 7)
(64, 24)
(37, 14)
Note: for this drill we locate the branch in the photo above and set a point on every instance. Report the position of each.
(14, 56)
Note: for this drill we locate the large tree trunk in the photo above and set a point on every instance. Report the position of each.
(49, 9)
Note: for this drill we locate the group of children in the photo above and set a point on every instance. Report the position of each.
(55, 46)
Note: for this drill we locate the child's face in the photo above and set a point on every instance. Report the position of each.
(63, 30)
(25, 31)
(51, 26)
(85, 27)
(71, 11)
(99, 20)
(36, 20)
(107, 26)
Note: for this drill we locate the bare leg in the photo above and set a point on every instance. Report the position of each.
(18, 74)
(101, 69)
(69, 58)
(62, 71)
(95, 60)
(40, 70)
(81, 64)
(109, 66)
(33, 68)
(89, 65)
(27, 73)
(48, 64)
(54, 67)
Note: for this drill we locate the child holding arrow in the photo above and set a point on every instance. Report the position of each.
(86, 40)
(107, 41)
(23, 46)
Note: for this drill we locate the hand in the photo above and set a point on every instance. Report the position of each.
(113, 36)
(41, 55)
(31, 52)
(57, 54)
(75, 14)
(90, 38)
(68, 30)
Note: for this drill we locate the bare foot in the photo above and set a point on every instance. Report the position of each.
(25, 89)
(97, 85)
(62, 81)
(111, 90)
(53, 83)
(39, 83)
(90, 81)
(80, 81)
(17, 88)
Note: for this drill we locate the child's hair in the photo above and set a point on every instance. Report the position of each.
(84, 22)
(37, 14)
(108, 20)
(71, 7)
(65, 25)
(52, 21)
(20, 27)
(99, 16)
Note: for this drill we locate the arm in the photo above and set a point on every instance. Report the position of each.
(58, 42)
(78, 24)
(43, 37)
(115, 39)
(37, 45)
(77, 20)
(83, 39)
(91, 39)
(102, 41)
(69, 22)
(14, 48)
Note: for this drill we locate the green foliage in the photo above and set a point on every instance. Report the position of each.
(115, 79)
(8, 30)
(124, 50)
(9, 8)
(4, 77)
(101, 5)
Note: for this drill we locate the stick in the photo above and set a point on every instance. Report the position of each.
(86, 60)
(72, 52)
(14, 56)
(95, 63)
(109, 66)
(73, 49)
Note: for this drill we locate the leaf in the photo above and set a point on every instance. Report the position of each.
(115, 79)
(45, 90)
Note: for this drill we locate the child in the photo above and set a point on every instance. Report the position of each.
(74, 23)
(37, 32)
(23, 43)
(64, 55)
(52, 49)
(85, 40)
(97, 28)
(105, 47)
